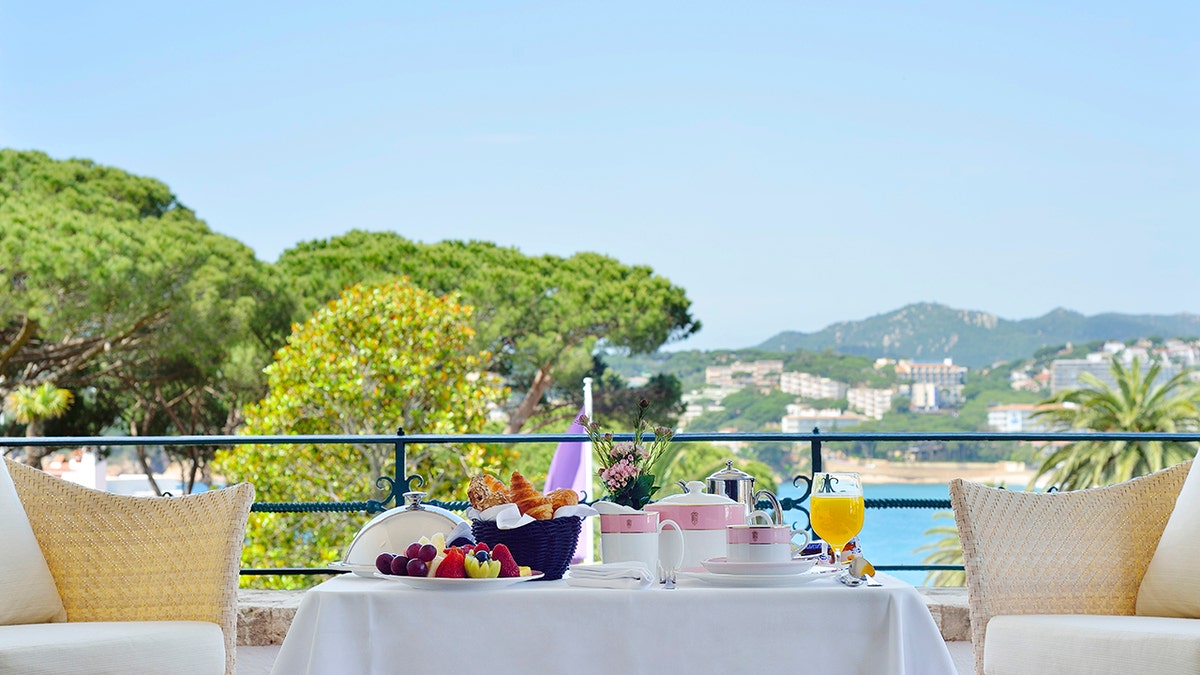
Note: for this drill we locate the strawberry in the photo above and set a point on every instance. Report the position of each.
(508, 566)
(453, 567)
(482, 546)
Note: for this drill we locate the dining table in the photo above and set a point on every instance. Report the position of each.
(705, 624)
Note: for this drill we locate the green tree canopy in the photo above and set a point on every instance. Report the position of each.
(1137, 404)
(540, 317)
(379, 358)
(107, 280)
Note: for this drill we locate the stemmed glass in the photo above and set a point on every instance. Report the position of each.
(836, 509)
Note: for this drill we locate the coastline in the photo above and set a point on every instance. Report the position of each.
(876, 471)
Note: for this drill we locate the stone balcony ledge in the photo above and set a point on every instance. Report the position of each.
(264, 616)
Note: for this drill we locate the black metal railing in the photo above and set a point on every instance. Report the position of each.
(401, 482)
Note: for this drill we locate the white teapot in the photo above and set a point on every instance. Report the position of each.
(702, 518)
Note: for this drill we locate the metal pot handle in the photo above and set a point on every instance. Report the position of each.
(770, 497)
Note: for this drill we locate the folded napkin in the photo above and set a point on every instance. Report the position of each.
(626, 575)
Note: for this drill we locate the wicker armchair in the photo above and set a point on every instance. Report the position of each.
(1082, 552)
(117, 558)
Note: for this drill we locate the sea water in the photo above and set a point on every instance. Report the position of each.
(889, 536)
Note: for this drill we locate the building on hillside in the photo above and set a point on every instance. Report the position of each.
(737, 375)
(873, 403)
(1180, 352)
(696, 403)
(802, 419)
(807, 385)
(923, 396)
(1065, 374)
(1020, 380)
(1013, 418)
(947, 379)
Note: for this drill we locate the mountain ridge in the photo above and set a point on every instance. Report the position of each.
(932, 331)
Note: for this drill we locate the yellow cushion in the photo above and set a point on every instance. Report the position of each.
(1171, 586)
(27, 591)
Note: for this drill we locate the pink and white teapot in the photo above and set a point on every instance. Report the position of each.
(702, 518)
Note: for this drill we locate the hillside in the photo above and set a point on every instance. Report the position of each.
(928, 331)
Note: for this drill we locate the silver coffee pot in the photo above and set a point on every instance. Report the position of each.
(739, 486)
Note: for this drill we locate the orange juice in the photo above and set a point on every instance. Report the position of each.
(836, 518)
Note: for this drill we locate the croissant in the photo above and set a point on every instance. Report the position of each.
(528, 500)
(494, 484)
(563, 497)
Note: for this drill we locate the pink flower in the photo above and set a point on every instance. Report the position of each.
(619, 475)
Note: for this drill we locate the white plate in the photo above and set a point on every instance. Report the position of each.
(793, 566)
(448, 584)
(762, 580)
(360, 570)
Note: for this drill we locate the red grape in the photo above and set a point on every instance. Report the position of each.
(427, 553)
(383, 563)
(413, 549)
(400, 565)
(417, 567)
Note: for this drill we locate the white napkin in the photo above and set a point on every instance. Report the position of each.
(508, 516)
(626, 575)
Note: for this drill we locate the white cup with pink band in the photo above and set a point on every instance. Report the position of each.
(634, 537)
(762, 541)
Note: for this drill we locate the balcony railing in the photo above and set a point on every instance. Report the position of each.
(401, 482)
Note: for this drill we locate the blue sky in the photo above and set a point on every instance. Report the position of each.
(790, 164)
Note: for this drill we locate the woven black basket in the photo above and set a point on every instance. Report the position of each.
(544, 545)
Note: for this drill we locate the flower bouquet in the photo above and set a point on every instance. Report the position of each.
(627, 469)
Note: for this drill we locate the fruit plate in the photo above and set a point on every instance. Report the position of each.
(359, 570)
(793, 566)
(763, 580)
(447, 584)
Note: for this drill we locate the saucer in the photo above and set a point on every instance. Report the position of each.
(762, 580)
(793, 566)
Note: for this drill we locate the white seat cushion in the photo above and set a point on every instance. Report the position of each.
(142, 647)
(1090, 645)
(1171, 586)
(27, 590)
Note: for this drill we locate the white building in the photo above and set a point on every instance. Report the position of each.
(924, 396)
(871, 402)
(947, 379)
(1012, 418)
(807, 385)
(802, 419)
(738, 375)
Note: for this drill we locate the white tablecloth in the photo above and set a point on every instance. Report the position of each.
(357, 625)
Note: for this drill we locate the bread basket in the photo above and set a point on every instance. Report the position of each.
(544, 545)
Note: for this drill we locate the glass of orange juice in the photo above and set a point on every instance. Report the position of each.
(836, 509)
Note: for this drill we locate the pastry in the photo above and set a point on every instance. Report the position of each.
(487, 491)
(529, 500)
(563, 497)
(477, 491)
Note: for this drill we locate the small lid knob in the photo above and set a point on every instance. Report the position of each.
(730, 473)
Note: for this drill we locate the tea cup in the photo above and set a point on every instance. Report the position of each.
(635, 537)
(762, 541)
